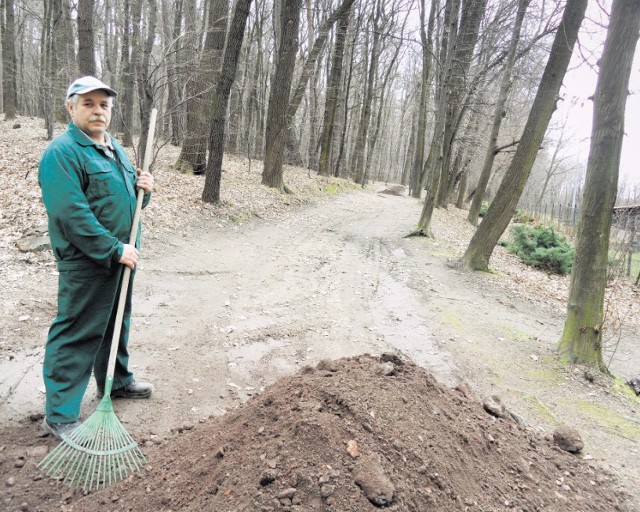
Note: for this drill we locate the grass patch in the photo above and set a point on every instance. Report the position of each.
(240, 218)
(545, 376)
(518, 336)
(450, 318)
(622, 387)
(337, 186)
(609, 418)
(541, 409)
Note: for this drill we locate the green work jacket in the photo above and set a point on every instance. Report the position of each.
(90, 200)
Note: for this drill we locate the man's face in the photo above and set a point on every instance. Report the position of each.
(91, 112)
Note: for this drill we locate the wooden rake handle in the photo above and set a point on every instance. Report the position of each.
(117, 327)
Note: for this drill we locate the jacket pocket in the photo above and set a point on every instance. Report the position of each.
(101, 179)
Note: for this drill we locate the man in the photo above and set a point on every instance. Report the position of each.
(89, 191)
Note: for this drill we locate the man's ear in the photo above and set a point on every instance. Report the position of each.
(69, 106)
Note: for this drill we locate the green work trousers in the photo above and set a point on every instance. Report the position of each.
(80, 337)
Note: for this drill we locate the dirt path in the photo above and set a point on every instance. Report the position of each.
(221, 313)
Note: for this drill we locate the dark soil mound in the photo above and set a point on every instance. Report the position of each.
(360, 434)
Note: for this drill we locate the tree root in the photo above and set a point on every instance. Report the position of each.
(420, 232)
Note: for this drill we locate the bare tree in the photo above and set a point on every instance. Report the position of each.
(126, 99)
(194, 150)
(193, 154)
(9, 62)
(142, 66)
(457, 94)
(426, 39)
(172, 34)
(333, 85)
(556, 166)
(86, 49)
(365, 112)
(46, 69)
(431, 174)
(582, 336)
(377, 125)
(499, 114)
(503, 206)
(276, 129)
(211, 191)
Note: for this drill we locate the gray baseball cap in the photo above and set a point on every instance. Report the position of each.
(87, 84)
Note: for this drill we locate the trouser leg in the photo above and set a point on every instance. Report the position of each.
(122, 375)
(86, 311)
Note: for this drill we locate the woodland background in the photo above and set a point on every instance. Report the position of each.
(435, 95)
(167, 54)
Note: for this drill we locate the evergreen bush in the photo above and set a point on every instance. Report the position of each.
(541, 247)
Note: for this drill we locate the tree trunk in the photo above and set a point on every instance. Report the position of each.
(208, 77)
(143, 74)
(276, 130)
(213, 178)
(110, 73)
(46, 80)
(582, 336)
(308, 69)
(503, 206)
(344, 102)
(373, 140)
(407, 160)
(125, 103)
(193, 154)
(86, 51)
(173, 77)
(431, 172)
(254, 122)
(9, 62)
(63, 59)
(498, 115)
(314, 53)
(333, 89)
(365, 114)
(462, 189)
(426, 37)
(472, 14)
(465, 152)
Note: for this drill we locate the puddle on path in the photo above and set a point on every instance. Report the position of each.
(404, 324)
(20, 377)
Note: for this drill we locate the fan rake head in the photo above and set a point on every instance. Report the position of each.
(96, 454)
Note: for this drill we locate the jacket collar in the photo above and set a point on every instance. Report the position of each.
(84, 140)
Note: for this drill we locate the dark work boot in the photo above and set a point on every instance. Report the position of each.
(134, 390)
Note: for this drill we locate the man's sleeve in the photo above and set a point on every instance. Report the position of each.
(63, 184)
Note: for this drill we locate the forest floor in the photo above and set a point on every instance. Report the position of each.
(307, 355)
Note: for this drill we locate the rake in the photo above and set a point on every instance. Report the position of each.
(100, 451)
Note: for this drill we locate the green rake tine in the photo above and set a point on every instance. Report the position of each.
(119, 471)
(114, 472)
(82, 462)
(97, 454)
(75, 469)
(109, 442)
(85, 463)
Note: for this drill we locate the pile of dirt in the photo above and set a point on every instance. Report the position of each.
(350, 435)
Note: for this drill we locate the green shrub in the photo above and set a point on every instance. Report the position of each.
(483, 209)
(542, 247)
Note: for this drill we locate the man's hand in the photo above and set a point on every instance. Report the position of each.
(129, 256)
(145, 181)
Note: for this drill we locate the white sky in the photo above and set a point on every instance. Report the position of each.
(580, 84)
